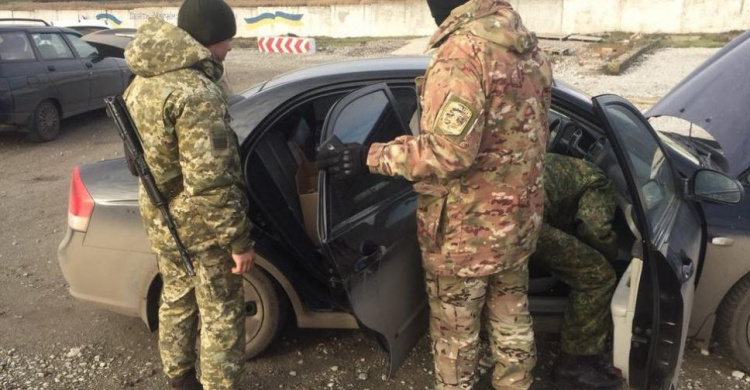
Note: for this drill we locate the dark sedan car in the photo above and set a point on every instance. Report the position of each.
(347, 256)
(48, 74)
(715, 97)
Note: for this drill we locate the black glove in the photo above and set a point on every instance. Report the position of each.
(343, 162)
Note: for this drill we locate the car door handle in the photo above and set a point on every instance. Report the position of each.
(32, 80)
(371, 254)
(89, 65)
(51, 68)
(722, 241)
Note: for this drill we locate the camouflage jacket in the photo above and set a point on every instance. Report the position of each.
(580, 200)
(183, 122)
(478, 159)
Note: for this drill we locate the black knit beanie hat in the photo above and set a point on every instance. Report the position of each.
(441, 9)
(208, 21)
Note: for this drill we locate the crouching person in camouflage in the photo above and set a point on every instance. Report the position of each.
(478, 168)
(575, 245)
(182, 119)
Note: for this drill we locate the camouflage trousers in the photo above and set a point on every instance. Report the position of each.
(592, 281)
(215, 296)
(460, 307)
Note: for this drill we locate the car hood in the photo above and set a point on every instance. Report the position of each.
(716, 97)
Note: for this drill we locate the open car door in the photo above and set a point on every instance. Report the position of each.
(368, 228)
(652, 302)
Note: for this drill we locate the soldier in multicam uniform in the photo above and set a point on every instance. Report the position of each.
(575, 245)
(182, 119)
(478, 167)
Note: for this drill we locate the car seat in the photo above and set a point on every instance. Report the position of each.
(48, 51)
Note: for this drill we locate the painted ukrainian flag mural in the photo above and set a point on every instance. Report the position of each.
(109, 19)
(273, 18)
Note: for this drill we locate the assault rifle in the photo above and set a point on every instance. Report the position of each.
(118, 111)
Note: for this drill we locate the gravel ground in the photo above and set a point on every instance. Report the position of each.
(48, 340)
(649, 78)
(249, 66)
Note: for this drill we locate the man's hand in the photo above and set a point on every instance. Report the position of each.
(243, 262)
(343, 162)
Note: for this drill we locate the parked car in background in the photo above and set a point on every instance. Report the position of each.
(83, 26)
(49, 73)
(347, 256)
(111, 42)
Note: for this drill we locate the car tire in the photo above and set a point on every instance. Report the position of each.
(266, 307)
(733, 322)
(45, 122)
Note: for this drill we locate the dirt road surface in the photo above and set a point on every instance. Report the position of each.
(48, 340)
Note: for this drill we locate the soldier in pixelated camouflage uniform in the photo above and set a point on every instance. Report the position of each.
(575, 245)
(478, 167)
(182, 119)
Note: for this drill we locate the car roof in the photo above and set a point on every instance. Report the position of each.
(255, 103)
(35, 28)
(355, 70)
(396, 67)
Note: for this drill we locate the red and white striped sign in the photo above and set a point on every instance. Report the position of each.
(286, 45)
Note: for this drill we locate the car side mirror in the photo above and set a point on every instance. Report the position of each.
(716, 187)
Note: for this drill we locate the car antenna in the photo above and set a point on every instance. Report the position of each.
(690, 132)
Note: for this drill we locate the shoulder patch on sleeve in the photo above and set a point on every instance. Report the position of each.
(219, 140)
(455, 117)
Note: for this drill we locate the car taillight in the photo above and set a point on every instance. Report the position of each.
(80, 203)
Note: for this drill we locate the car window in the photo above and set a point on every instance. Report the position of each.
(15, 46)
(359, 121)
(83, 48)
(368, 119)
(51, 46)
(651, 171)
(406, 101)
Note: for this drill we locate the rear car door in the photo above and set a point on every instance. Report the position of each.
(104, 72)
(68, 74)
(23, 79)
(660, 281)
(368, 228)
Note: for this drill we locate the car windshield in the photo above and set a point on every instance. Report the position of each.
(673, 142)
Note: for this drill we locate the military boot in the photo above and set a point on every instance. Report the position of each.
(186, 381)
(581, 372)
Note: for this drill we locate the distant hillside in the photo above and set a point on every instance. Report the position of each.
(26, 5)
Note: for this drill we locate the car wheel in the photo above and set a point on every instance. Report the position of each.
(733, 322)
(45, 122)
(265, 311)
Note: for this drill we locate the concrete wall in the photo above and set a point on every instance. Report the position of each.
(413, 18)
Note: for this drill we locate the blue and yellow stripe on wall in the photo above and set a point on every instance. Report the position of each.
(271, 18)
(109, 19)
